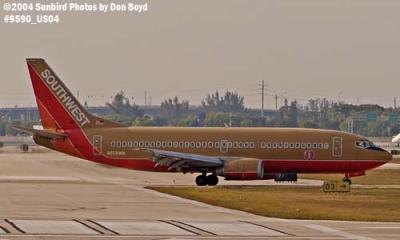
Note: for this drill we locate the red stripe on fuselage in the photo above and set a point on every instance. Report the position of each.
(319, 166)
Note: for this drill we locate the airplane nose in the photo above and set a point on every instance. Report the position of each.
(387, 156)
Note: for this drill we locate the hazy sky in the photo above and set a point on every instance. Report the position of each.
(348, 50)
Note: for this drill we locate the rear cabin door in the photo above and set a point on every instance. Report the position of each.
(97, 144)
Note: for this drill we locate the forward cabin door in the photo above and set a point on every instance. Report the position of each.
(337, 154)
(337, 147)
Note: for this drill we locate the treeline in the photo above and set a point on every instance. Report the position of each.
(228, 109)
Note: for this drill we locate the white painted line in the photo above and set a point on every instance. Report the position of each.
(336, 232)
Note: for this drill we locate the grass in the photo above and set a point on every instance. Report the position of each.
(373, 177)
(299, 203)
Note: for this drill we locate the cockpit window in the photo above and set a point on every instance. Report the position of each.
(365, 144)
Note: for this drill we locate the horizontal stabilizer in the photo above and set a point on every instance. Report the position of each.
(42, 133)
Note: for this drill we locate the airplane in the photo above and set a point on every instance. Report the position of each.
(229, 152)
(396, 139)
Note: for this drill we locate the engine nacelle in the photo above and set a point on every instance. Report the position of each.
(286, 177)
(242, 169)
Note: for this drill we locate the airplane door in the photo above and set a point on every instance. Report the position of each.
(337, 147)
(223, 147)
(97, 144)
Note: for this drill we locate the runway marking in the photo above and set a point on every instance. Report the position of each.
(176, 229)
(14, 226)
(53, 227)
(144, 228)
(178, 226)
(336, 232)
(199, 229)
(88, 226)
(235, 228)
(141, 237)
(104, 227)
(3, 230)
(260, 225)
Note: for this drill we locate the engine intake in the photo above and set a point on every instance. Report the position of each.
(242, 169)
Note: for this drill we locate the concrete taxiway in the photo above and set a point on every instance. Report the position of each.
(53, 196)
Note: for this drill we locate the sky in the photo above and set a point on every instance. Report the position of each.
(340, 50)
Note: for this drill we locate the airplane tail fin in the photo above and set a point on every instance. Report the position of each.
(58, 108)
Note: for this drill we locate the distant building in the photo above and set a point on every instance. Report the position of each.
(19, 114)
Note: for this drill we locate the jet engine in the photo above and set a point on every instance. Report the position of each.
(286, 177)
(242, 169)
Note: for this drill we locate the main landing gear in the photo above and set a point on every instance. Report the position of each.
(203, 179)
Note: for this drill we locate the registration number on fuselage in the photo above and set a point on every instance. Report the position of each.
(116, 153)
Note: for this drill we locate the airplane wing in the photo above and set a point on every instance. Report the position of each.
(179, 160)
(42, 133)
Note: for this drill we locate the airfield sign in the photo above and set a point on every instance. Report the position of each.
(336, 186)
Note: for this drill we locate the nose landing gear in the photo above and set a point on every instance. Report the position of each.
(203, 180)
(347, 180)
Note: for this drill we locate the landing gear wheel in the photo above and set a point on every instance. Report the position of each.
(201, 180)
(347, 180)
(212, 180)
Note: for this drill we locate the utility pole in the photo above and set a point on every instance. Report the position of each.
(395, 103)
(276, 102)
(145, 97)
(350, 126)
(262, 97)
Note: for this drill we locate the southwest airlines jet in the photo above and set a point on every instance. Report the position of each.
(232, 153)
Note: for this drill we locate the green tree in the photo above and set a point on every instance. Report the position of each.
(230, 102)
(288, 115)
(148, 120)
(122, 106)
(174, 110)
